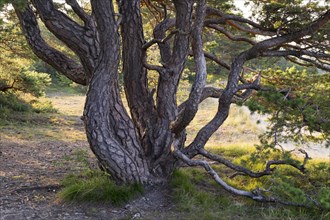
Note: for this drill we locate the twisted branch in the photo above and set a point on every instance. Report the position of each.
(255, 194)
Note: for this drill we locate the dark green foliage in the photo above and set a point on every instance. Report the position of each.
(26, 81)
(20, 85)
(298, 103)
(11, 103)
(19, 3)
(287, 15)
(324, 197)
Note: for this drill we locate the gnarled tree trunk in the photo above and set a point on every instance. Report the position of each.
(146, 144)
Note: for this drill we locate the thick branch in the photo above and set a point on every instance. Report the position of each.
(262, 46)
(230, 35)
(231, 20)
(140, 99)
(110, 131)
(86, 18)
(53, 57)
(159, 69)
(242, 170)
(191, 107)
(224, 102)
(160, 33)
(80, 39)
(208, 92)
(173, 58)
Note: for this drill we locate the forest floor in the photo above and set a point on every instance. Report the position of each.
(38, 151)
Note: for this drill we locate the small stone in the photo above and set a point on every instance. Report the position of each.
(136, 216)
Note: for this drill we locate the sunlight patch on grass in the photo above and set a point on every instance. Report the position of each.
(239, 127)
(33, 132)
(72, 105)
(232, 149)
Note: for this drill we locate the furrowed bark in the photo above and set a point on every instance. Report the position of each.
(110, 131)
(153, 131)
(82, 40)
(173, 60)
(191, 106)
(174, 65)
(160, 33)
(51, 56)
(86, 18)
(223, 108)
(138, 96)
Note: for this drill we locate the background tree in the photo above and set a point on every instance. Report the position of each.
(16, 73)
(147, 143)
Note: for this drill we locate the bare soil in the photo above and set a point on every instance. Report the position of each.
(29, 181)
(35, 156)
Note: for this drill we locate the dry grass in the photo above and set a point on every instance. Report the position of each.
(62, 126)
(239, 128)
(71, 105)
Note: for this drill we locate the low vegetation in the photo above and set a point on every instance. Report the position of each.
(96, 186)
(195, 194)
(197, 197)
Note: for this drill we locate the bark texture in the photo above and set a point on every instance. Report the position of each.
(147, 142)
(110, 131)
(53, 57)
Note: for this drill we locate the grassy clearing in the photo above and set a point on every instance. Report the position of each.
(55, 118)
(199, 197)
(68, 104)
(22, 103)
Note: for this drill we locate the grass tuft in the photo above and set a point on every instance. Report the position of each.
(96, 186)
(188, 186)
